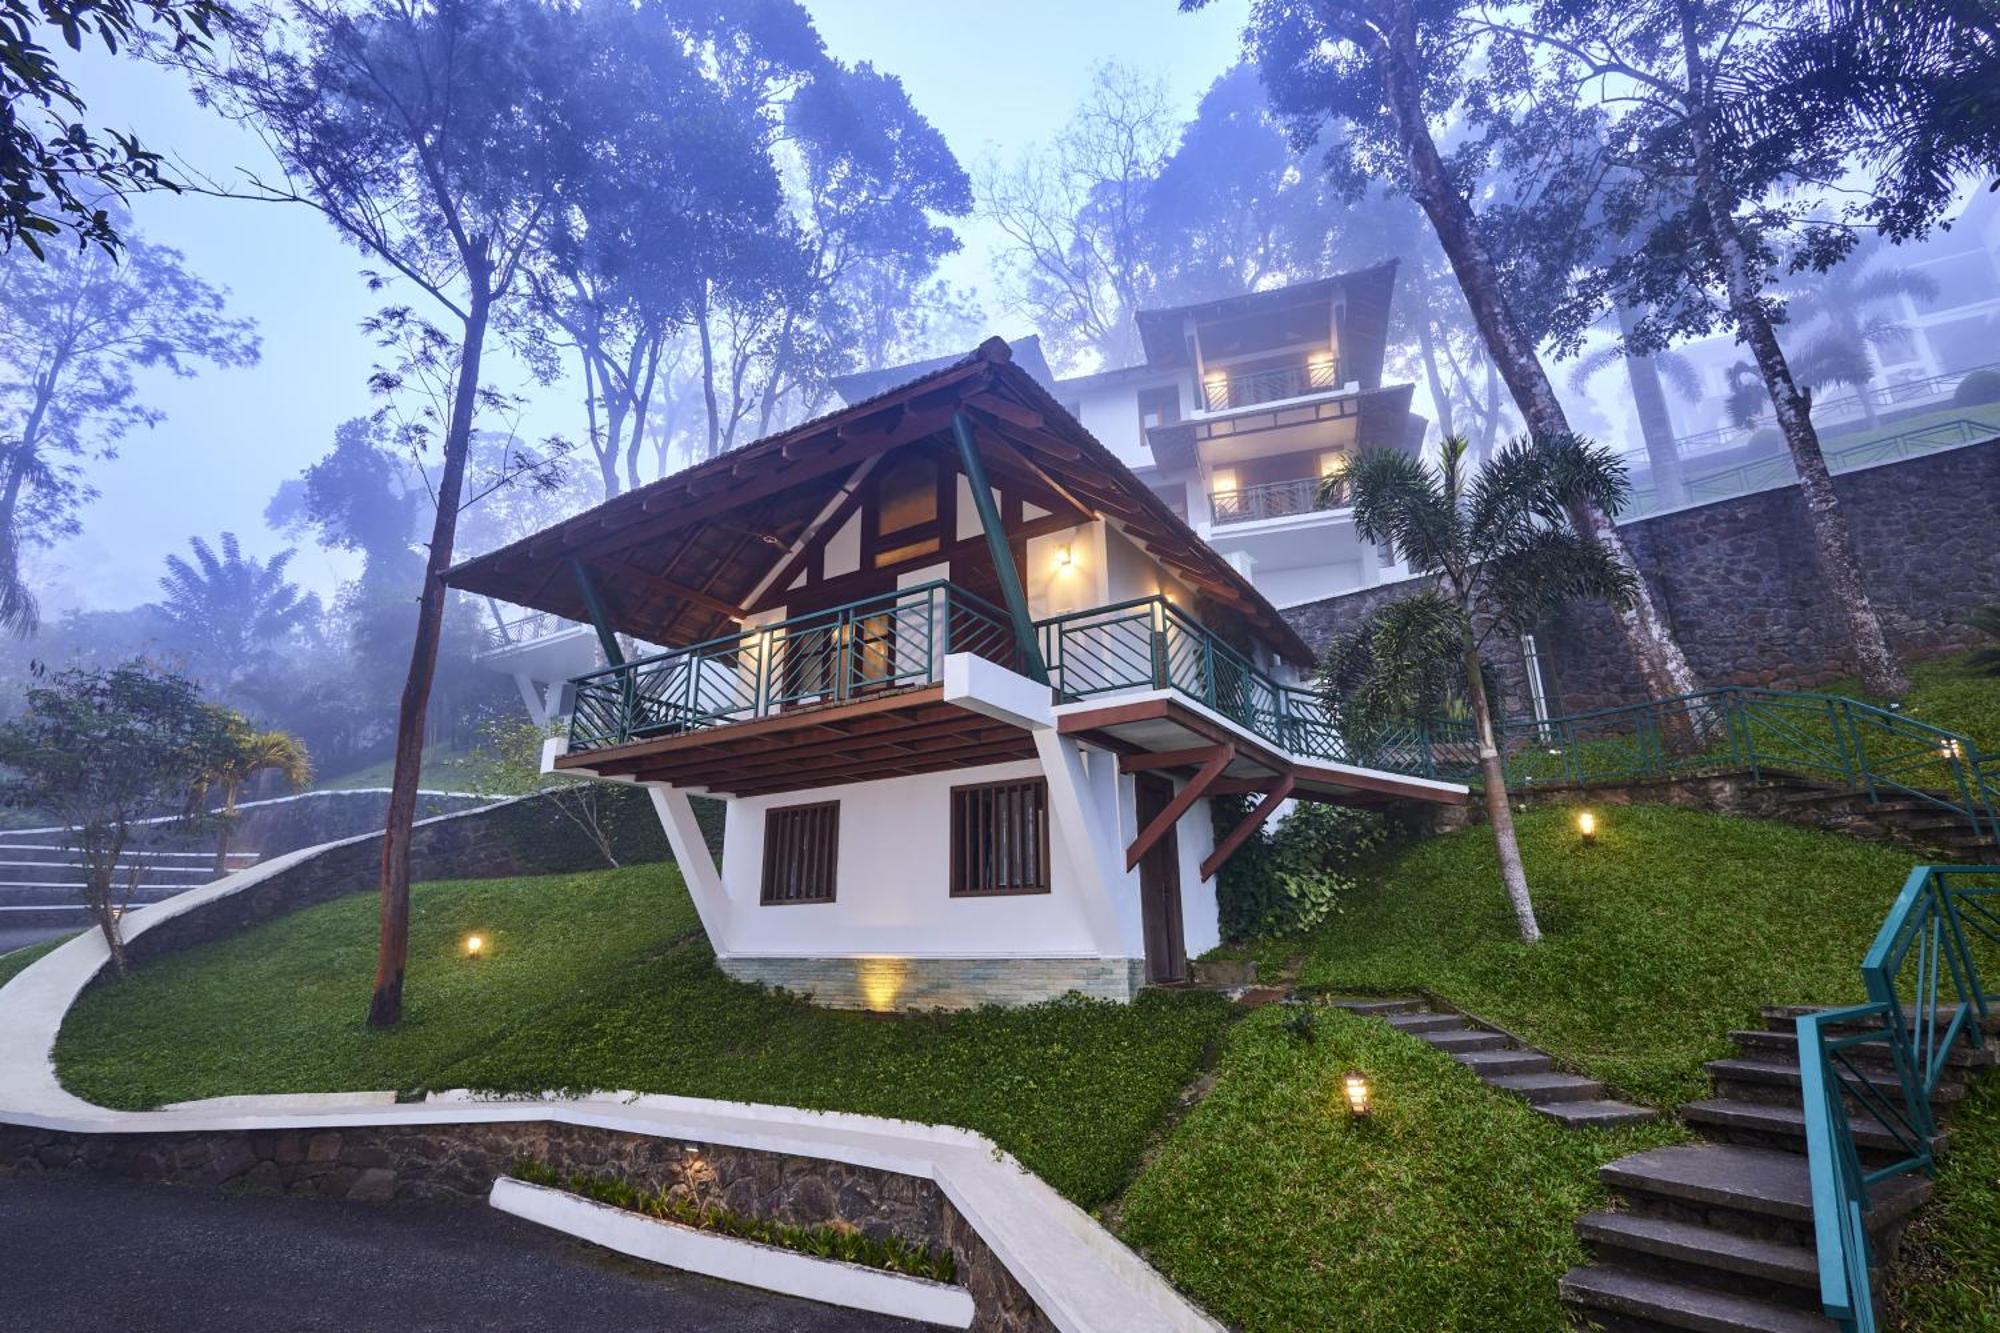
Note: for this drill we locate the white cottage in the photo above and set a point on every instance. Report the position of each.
(965, 683)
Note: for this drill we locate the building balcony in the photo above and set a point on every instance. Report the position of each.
(888, 650)
(1278, 499)
(1224, 391)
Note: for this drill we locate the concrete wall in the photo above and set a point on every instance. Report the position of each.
(1739, 582)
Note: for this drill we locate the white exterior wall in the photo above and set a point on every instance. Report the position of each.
(893, 891)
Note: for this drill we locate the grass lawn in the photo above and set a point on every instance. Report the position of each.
(1946, 692)
(446, 767)
(14, 960)
(602, 981)
(1450, 1208)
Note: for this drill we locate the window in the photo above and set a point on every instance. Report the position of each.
(1159, 407)
(801, 851)
(906, 520)
(1000, 838)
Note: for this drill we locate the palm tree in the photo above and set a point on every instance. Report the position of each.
(1501, 554)
(1649, 375)
(1839, 318)
(237, 753)
(225, 609)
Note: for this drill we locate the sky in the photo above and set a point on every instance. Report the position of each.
(989, 77)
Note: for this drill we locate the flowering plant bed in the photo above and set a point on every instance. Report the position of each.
(825, 1240)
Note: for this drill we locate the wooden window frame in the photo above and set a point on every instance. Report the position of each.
(960, 856)
(827, 857)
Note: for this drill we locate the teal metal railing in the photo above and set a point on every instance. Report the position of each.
(1844, 742)
(832, 656)
(1926, 998)
(1149, 643)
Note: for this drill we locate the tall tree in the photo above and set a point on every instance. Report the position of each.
(56, 173)
(230, 610)
(236, 754)
(76, 333)
(1386, 69)
(1500, 554)
(1743, 159)
(428, 132)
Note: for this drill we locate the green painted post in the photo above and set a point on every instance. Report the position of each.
(1011, 590)
(593, 606)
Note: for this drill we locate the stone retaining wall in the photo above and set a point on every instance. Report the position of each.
(1739, 582)
(381, 1163)
(941, 983)
(528, 835)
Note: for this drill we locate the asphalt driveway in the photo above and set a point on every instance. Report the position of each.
(80, 1254)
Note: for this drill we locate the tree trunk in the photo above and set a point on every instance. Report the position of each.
(1661, 662)
(1656, 427)
(385, 1009)
(708, 374)
(1499, 810)
(1840, 569)
(1438, 397)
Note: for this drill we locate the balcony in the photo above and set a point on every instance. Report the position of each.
(843, 655)
(899, 641)
(1279, 499)
(1224, 392)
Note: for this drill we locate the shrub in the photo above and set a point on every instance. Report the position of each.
(1977, 389)
(1290, 878)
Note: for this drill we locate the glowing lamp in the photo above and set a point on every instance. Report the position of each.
(1949, 750)
(475, 946)
(1064, 557)
(1360, 1095)
(1586, 825)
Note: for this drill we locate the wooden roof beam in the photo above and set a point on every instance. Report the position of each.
(1219, 757)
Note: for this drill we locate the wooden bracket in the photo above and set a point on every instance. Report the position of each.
(1218, 758)
(1251, 822)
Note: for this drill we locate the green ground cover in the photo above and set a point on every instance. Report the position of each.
(1946, 692)
(446, 767)
(1450, 1208)
(14, 960)
(602, 981)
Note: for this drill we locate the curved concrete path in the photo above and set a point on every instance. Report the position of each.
(1083, 1278)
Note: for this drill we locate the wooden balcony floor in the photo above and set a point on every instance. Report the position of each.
(893, 733)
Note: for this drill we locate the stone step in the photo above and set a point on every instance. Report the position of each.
(1725, 1184)
(1628, 1294)
(1375, 1006)
(1778, 1081)
(1424, 1022)
(1760, 1124)
(1548, 1086)
(1462, 1038)
(1707, 1251)
(1494, 1064)
(1784, 1017)
(1783, 1047)
(1597, 1114)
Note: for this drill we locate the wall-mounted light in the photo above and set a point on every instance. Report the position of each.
(1358, 1093)
(1064, 556)
(475, 946)
(1586, 825)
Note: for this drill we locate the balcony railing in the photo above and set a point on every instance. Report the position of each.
(1221, 392)
(527, 629)
(1150, 643)
(895, 640)
(1279, 499)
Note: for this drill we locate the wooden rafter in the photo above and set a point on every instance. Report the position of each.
(1190, 792)
(1249, 824)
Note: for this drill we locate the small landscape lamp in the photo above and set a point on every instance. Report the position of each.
(475, 947)
(1360, 1094)
(1586, 826)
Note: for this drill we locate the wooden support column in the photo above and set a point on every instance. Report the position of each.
(1253, 821)
(593, 605)
(1219, 758)
(1011, 590)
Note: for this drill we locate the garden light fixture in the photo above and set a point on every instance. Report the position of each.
(475, 946)
(1360, 1095)
(1586, 825)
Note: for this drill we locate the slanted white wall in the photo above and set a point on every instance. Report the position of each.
(893, 891)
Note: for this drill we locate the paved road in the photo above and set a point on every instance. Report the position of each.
(78, 1254)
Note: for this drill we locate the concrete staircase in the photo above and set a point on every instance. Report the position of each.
(1904, 820)
(1503, 1062)
(41, 883)
(1717, 1237)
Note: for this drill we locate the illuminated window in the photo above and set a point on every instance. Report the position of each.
(907, 495)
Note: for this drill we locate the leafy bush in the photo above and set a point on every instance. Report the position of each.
(1977, 389)
(1986, 620)
(1301, 1022)
(823, 1240)
(1290, 878)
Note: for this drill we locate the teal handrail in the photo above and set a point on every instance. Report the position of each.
(1871, 751)
(1925, 998)
(895, 639)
